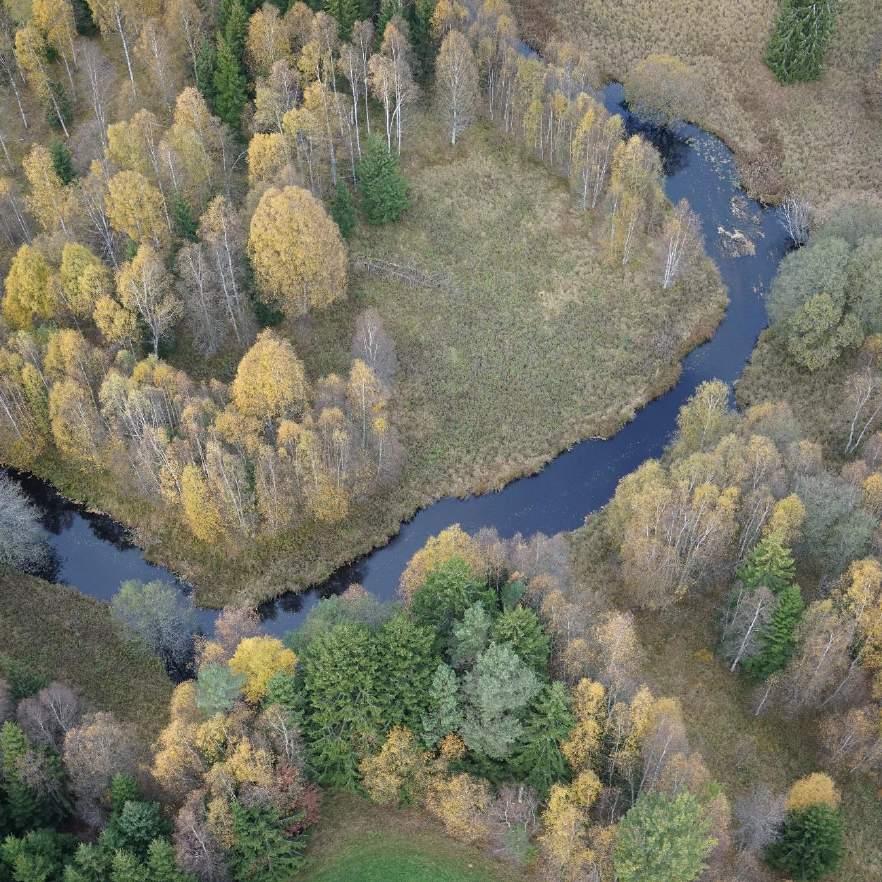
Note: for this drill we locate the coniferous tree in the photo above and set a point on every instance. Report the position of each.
(343, 209)
(185, 224)
(802, 31)
(769, 564)
(262, 852)
(539, 760)
(62, 161)
(206, 61)
(521, 629)
(444, 713)
(347, 12)
(229, 85)
(383, 188)
(810, 843)
(407, 660)
(778, 639)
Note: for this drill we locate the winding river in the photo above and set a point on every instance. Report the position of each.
(94, 554)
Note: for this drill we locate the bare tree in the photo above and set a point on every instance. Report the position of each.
(795, 215)
(758, 817)
(49, 715)
(743, 624)
(96, 750)
(864, 402)
(374, 346)
(683, 238)
(100, 75)
(23, 541)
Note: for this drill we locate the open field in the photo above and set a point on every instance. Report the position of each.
(66, 636)
(820, 139)
(536, 341)
(358, 841)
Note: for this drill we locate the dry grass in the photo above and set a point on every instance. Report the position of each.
(69, 637)
(819, 138)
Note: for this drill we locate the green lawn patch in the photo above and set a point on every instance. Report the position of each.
(357, 841)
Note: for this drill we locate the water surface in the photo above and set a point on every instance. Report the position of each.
(94, 554)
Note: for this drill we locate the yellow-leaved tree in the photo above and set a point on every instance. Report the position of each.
(29, 296)
(814, 789)
(449, 543)
(258, 660)
(298, 256)
(270, 381)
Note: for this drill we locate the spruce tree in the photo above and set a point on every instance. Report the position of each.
(539, 760)
(347, 12)
(229, 85)
(261, 851)
(343, 210)
(185, 223)
(407, 661)
(520, 627)
(810, 843)
(234, 22)
(802, 31)
(388, 10)
(206, 60)
(444, 713)
(62, 161)
(381, 184)
(778, 639)
(23, 808)
(769, 564)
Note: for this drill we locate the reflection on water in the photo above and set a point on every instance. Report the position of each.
(95, 554)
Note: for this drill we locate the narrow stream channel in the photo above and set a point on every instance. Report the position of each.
(94, 554)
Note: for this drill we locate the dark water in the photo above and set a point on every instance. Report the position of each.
(93, 552)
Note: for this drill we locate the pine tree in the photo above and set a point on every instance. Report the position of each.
(778, 639)
(381, 184)
(229, 85)
(810, 843)
(62, 161)
(343, 209)
(802, 31)
(539, 761)
(769, 564)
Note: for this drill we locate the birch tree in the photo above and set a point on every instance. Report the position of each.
(456, 83)
(683, 240)
(144, 286)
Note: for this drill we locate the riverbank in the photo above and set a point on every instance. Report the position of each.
(821, 140)
(538, 342)
(65, 635)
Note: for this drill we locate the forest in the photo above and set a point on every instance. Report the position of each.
(275, 277)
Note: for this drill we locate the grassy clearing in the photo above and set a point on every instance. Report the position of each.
(358, 841)
(70, 637)
(821, 139)
(537, 342)
(739, 748)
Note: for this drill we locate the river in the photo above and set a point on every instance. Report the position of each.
(93, 552)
